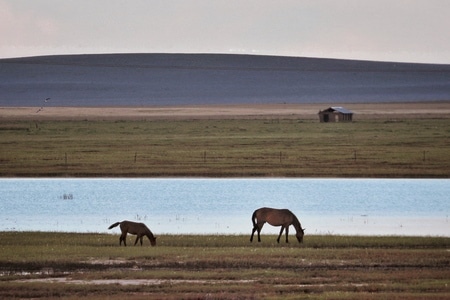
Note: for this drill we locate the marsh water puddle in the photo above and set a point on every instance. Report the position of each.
(132, 281)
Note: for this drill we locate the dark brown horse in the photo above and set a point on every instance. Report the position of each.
(276, 217)
(138, 229)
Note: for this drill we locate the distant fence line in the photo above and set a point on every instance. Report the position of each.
(280, 157)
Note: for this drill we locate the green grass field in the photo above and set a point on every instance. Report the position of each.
(226, 148)
(72, 265)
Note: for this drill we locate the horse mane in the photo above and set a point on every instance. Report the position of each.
(296, 223)
(149, 233)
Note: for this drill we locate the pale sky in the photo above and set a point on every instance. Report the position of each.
(387, 30)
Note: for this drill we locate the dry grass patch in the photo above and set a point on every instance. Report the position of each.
(70, 265)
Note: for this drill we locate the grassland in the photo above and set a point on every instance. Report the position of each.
(411, 143)
(70, 266)
(226, 148)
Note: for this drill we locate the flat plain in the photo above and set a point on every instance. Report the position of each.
(384, 140)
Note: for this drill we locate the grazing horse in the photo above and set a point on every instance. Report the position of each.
(276, 217)
(138, 229)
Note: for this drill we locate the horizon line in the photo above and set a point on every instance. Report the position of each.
(222, 53)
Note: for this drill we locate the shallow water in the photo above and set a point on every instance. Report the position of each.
(224, 206)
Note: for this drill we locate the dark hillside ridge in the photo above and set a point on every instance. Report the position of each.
(189, 79)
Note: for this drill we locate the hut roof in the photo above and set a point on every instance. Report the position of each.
(339, 109)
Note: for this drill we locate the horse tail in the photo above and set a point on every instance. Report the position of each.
(114, 225)
(254, 218)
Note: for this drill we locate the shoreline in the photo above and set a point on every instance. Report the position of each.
(370, 226)
(401, 110)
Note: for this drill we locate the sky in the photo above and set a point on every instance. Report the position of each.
(380, 30)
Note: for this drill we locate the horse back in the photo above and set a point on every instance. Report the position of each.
(275, 217)
(134, 227)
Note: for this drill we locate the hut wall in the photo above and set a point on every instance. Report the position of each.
(327, 117)
(345, 117)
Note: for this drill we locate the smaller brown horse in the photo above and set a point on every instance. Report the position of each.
(138, 229)
(276, 217)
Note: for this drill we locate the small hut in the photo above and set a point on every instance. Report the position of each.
(335, 114)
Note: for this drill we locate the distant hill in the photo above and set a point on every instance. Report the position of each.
(187, 79)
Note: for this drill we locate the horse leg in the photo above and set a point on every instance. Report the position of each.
(260, 226)
(287, 233)
(137, 238)
(253, 232)
(142, 237)
(281, 232)
(123, 237)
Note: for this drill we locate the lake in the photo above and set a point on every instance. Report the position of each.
(224, 206)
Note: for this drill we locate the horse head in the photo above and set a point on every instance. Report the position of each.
(300, 235)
